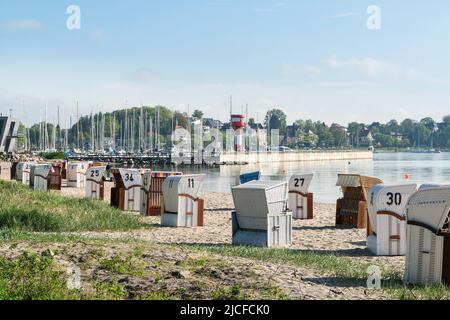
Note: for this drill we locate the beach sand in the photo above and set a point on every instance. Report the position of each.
(319, 234)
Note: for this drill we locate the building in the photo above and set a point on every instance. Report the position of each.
(9, 128)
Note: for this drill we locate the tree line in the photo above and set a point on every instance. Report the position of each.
(141, 129)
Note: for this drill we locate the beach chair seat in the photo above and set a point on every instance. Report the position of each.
(182, 206)
(126, 193)
(351, 209)
(428, 237)
(387, 205)
(300, 199)
(261, 217)
(95, 183)
(55, 177)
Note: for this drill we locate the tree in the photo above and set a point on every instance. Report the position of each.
(276, 119)
(198, 114)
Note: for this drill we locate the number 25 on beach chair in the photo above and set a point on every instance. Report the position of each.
(428, 237)
(127, 191)
(95, 183)
(181, 205)
(387, 229)
(300, 201)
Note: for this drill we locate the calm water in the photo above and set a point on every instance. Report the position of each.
(391, 167)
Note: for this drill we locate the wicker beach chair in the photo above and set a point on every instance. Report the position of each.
(351, 209)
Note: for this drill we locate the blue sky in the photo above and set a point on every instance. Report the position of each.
(314, 59)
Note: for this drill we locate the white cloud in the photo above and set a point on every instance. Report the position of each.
(346, 15)
(143, 76)
(22, 24)
(371, 68)
(313, 71)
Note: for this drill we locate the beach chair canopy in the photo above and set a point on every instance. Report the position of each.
(249, 176)
(188, 185)
(95, 174)
(355, 186)
(256, 199)
(300, 183)
(427, 186)
(77, 167)
(391, 200)
(42, 170)
(147, 180)
(430, 208)
(127, 178)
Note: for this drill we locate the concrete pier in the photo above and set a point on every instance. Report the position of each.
(296, 156)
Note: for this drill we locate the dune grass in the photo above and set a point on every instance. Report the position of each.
(28, 210)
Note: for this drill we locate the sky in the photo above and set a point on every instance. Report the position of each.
(313, 59)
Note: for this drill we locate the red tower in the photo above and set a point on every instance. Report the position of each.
(238, 124)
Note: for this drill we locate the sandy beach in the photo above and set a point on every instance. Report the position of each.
(319, 234)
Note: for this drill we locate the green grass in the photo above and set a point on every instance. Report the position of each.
(28, 210)
(33, 277)
(430, 292)
(128, 265)
(58, 155)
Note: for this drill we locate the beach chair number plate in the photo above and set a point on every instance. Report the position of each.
(129, 177)
(297, 182)
(394, 198)
(95, 173)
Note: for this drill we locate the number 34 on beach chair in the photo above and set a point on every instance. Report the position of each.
(127, 191)
(300, 200)
(181, 206)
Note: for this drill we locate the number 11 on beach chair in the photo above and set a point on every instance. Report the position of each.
(95, 183)
(181, 205)
(386, 233)
(300, 200)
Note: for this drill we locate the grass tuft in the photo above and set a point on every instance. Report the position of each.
(24, 209)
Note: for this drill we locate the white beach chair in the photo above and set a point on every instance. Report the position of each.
(126, 195)
(261, 217)
(5, 170)
(182, 206)
(387, 232)
(40, 174)
(300, 200)
(76, 174)
(428, 237)
(23, 171)
(95, 183)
